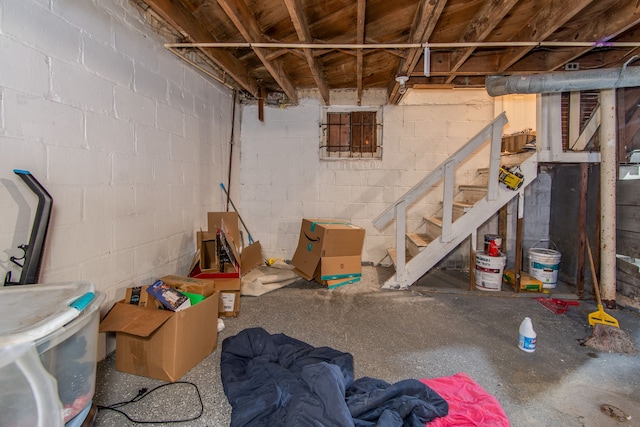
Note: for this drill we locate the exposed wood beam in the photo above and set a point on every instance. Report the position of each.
(421, 29)
(296, 8)
(541, 26)
(362, 4)
(628, 16)
(245, 22)
(480, 27)
(176, 15)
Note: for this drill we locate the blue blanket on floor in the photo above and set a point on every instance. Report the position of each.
(276, 380)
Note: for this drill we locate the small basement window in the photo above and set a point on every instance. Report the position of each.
(351, 134)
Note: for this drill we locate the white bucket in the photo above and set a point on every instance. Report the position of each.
(489, 271)
(543, 265)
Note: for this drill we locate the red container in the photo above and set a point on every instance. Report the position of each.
(492, 244)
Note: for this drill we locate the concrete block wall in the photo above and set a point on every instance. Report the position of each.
(283, 180)
(130, 142)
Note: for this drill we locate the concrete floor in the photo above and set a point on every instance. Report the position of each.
(434, 329)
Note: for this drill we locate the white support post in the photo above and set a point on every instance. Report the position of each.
(494, 162)
(401, 230)
(574, 117)
(608, 176)
(447, 200)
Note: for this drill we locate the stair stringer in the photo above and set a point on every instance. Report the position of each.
(468, 223)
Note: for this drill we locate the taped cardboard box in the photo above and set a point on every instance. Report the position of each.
(162, 344)
(329, 251)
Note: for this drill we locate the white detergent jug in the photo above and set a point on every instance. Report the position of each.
(527, 337)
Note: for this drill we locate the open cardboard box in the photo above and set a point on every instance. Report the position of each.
(162, 344)
(329, 251)
(228, 282)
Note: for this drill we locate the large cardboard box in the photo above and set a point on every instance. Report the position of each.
(329, 251)
(162, 344)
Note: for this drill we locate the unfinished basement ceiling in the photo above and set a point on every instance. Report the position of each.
(275, 48)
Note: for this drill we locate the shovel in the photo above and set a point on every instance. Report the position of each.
(599, 316)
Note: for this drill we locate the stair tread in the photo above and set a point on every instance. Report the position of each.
(419, 239)
(436, 220)
(462, 204)
(393, 254)
(472, 187)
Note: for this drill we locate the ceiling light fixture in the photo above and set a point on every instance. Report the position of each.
(402, 80)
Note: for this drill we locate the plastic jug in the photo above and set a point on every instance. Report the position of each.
(527, 336)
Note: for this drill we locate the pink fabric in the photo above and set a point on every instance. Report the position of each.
(469, 404)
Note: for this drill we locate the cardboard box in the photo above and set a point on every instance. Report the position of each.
(229, 289)
(193, 285)
(332, 284)
(207, 251)
(527, 282)
(329, 251)
(139, 296)
(228, 281)
(162, 344)
(515, 143)
(231, 222)
(244, 260)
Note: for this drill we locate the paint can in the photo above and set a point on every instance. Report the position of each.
(489, 271)
(543, 265)
(492, 244)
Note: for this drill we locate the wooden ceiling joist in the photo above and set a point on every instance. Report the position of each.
(245, 22)
(289, 45)
(479, 29)
(299, 20)
(182, 19)
(423, 25)
(540, 27)
(360, 25)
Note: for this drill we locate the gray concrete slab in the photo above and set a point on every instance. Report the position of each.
(437, 328)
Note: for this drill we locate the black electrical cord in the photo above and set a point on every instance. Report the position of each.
(144, 392)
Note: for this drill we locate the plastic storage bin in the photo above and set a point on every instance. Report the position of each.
(48, 353)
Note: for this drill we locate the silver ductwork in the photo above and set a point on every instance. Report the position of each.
(565, 81)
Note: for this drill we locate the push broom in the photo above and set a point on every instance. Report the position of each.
(606, 335)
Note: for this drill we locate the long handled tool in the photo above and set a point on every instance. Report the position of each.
(599, 316)
(234, 208)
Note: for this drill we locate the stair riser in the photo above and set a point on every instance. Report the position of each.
(473, 196)
(432, 230)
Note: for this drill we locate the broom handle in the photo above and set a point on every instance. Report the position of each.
(593, 274)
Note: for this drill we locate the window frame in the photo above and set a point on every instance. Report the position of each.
(344, 149)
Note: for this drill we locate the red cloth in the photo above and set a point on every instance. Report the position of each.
(469, 404)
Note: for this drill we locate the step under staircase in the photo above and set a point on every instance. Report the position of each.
(464, 209)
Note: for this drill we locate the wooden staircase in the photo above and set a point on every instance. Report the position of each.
(465, 208)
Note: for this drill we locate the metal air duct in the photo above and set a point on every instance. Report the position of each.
(564, 81)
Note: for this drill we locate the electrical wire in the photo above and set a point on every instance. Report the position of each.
(144, 392)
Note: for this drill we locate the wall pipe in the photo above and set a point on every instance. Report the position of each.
(281, 45)
(563, 81)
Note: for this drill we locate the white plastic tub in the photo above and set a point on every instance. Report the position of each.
(48, 364)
